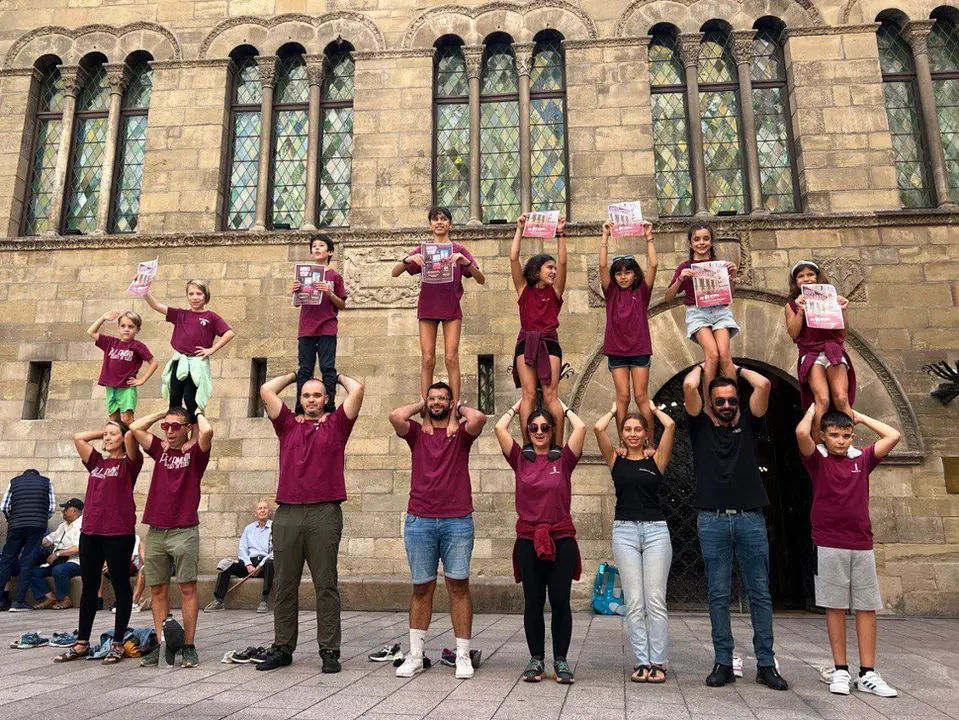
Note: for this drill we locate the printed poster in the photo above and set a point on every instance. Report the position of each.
(437, 263)
(822, 307)
(146, 273)
(541, 224)
(309, 276)
(626, 219)
(711, 283)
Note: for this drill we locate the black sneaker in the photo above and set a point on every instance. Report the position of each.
(275, 658)
(151, 659)
(331, 661)
(250, 655)
(770, 677)
(535, 670)
(562, 671)
(721, 675)
(189, 657)
(387, 653)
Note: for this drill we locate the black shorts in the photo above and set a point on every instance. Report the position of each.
(552, 347)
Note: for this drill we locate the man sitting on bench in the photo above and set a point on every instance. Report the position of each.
(255, 555)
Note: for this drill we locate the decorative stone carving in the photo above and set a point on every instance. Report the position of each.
(74, 78)
(315, 67)
(805, 30)
(118, 76)
(524, 58)
(743, 45)
(689, 44)
(267, 67)
(715, 8)
(366, 272)
(473, 56)
(79, 50)
(917, 35)
(846, 274)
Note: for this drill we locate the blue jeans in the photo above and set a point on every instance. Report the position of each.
(742, 534)
(22, 543)
(429, 539)
(62, 574)
(643, 554)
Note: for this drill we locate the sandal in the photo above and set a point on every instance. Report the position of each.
(657, 674)
(114, 654)
(640, 674)
(79, 649)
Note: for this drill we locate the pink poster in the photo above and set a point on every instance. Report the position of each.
(822, 307)
(626, 219)
(541, 224)
(146, 272)
(711, 283)
(437, 266)
(310, 277)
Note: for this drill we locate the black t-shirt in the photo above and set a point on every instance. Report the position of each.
(637, 489)
(727, 471)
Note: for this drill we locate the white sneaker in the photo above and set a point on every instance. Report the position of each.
(871, 682)
(411, 667)
(464, 667)
(136, 607)
(839, 682)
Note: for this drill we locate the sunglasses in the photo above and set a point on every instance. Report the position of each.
(174, 426)
(720, 401)
(622, 257)
(539, 427)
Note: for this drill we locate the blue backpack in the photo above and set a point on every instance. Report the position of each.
(607, 591)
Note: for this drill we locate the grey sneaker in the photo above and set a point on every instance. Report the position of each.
(188, 657)
(215, 606)
(151, 659)
(263, 607)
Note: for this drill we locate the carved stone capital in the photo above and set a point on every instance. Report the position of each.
(917, 35)
(473, 55)
(74, 78)
(689, 44)
(267, 66)
(742, 45)
(118, 75)
(524, 58)
(315, 68)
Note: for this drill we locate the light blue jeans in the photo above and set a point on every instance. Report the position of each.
(643, 554)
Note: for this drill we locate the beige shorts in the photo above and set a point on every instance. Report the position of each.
(821, 359)
(847, 579)
(177, 546)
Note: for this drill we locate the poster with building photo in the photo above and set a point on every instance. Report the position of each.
(822, 307)
(437, 263)
(541, 224)
(146, 273)
(711, 283)
(310, 277)
(626, 219)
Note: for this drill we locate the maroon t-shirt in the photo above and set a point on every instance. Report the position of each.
(687, 285)
(440, 479)
(174, 495)
(322, 319)
(543, 488)
(815, 335)
(840, 497)
(108, 506)
(539, 309)
(311, 457)
(121, 360)
(627, 325)
(441, 301)
(194, 329)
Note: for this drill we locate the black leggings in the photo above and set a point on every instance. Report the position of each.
(183, 391)
(116, 550)
(556, 578)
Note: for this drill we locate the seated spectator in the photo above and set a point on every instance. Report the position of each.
(62, 562)
(136, 571)
(255, 555)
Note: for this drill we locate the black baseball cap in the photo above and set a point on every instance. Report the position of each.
(73, 503)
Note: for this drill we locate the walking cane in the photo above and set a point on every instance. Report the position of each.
(255, 572)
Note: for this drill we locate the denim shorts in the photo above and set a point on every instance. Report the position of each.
(614, 362)
(717, 317)
(429, 540)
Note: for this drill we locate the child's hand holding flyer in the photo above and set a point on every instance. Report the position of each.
(711, 283)
(146, 273)
(626, 219)
(541, 224)
(822, 308)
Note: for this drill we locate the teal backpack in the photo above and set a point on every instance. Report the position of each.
(608, 591)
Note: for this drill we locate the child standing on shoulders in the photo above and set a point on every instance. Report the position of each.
(711, 327)
(824, 369)
(122, 359)
(318, 326)
(845, 562)
(627, 344)
(440, 303)
(187, 378)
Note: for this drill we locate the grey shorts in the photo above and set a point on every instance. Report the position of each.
(821, 359)
(717, 317)
(846, 579)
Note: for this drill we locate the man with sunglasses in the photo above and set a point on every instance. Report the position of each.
(730, 497)
(171, 514)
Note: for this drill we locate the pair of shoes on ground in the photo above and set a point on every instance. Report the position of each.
(217, 605)
(414, 663)
(840, 683)
(64, 604)
(274, 657)
(536, 671)
(653, 674)
(768, 676)
(29, 640)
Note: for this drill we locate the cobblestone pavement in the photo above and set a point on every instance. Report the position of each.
(919, 656)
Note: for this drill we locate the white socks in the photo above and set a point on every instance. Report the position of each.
(417, 640)
(463, 647)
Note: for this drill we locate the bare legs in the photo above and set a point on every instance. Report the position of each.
(528, 382)
(640, 379)
(865, 634)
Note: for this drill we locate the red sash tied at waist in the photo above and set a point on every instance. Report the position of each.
(544, 537)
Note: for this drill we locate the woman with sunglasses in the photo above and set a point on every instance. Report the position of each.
(545, 556)
(109, 531)
(627, 345)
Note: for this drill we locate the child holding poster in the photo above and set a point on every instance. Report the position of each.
(442, 264)
(627, 344)
(122, 358)
(316, 335)
(538, 357)
(709, 323)
(826, 374)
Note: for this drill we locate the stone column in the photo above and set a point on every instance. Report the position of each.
(119, 77)
(743, 52)
(524, 64)
(267, 66)
(315, 65)
(917, 34)
(74, 78)
(689, 52)
(473, 54)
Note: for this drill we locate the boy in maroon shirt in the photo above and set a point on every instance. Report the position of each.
(845, 562)
(122, 359)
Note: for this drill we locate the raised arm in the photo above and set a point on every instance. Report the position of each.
(794, 318)
(154, 303)
(270, 394)
(577, 436)
(562, 260)
(807, 446)
(604, 278)
(151, 368)
(205, 437)
(400, 417)
(82, 440)
(759, 402)
(130, 445)
(501, 428)
(651, 256)
(475, 420)
(515, 269)
(94, 330)
(665, 449)
(888, 435)
(605, 444)
(354, 395)
(691, 397)
(141, 429)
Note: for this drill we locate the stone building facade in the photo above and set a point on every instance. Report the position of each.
(218, 134)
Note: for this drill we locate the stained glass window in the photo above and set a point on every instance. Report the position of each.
(246, 98)
(452, 128)
(290, 142)
(674, 187)
(89, 148)
(132, 149)
(902, 110)
(944, 63)
(336, 153)
(547, 127)
(499, 134)
(46, 149)
(773, 141)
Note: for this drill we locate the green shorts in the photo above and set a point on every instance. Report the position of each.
(121, 399)
(180, 546)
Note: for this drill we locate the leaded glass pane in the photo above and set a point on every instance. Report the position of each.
(547, 71)
(292, 83)
(141, 83)
(83, 193)
(716, 63)
(126, 204)
(947, 109)
(43, 176)
(244, 167)
(674, 186)
(499, 71)
(895, 55)
(51, 91)
(772, 141)
(95, 95)
(247, 89)
(288, 184)
(907, 148)
(451, 77)
(725, 184)
(499, 160)
(547, 131)
(336, 167)
(767, 62)
(338, 78)
(944, 46)
(453, 159)
(665, 65)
